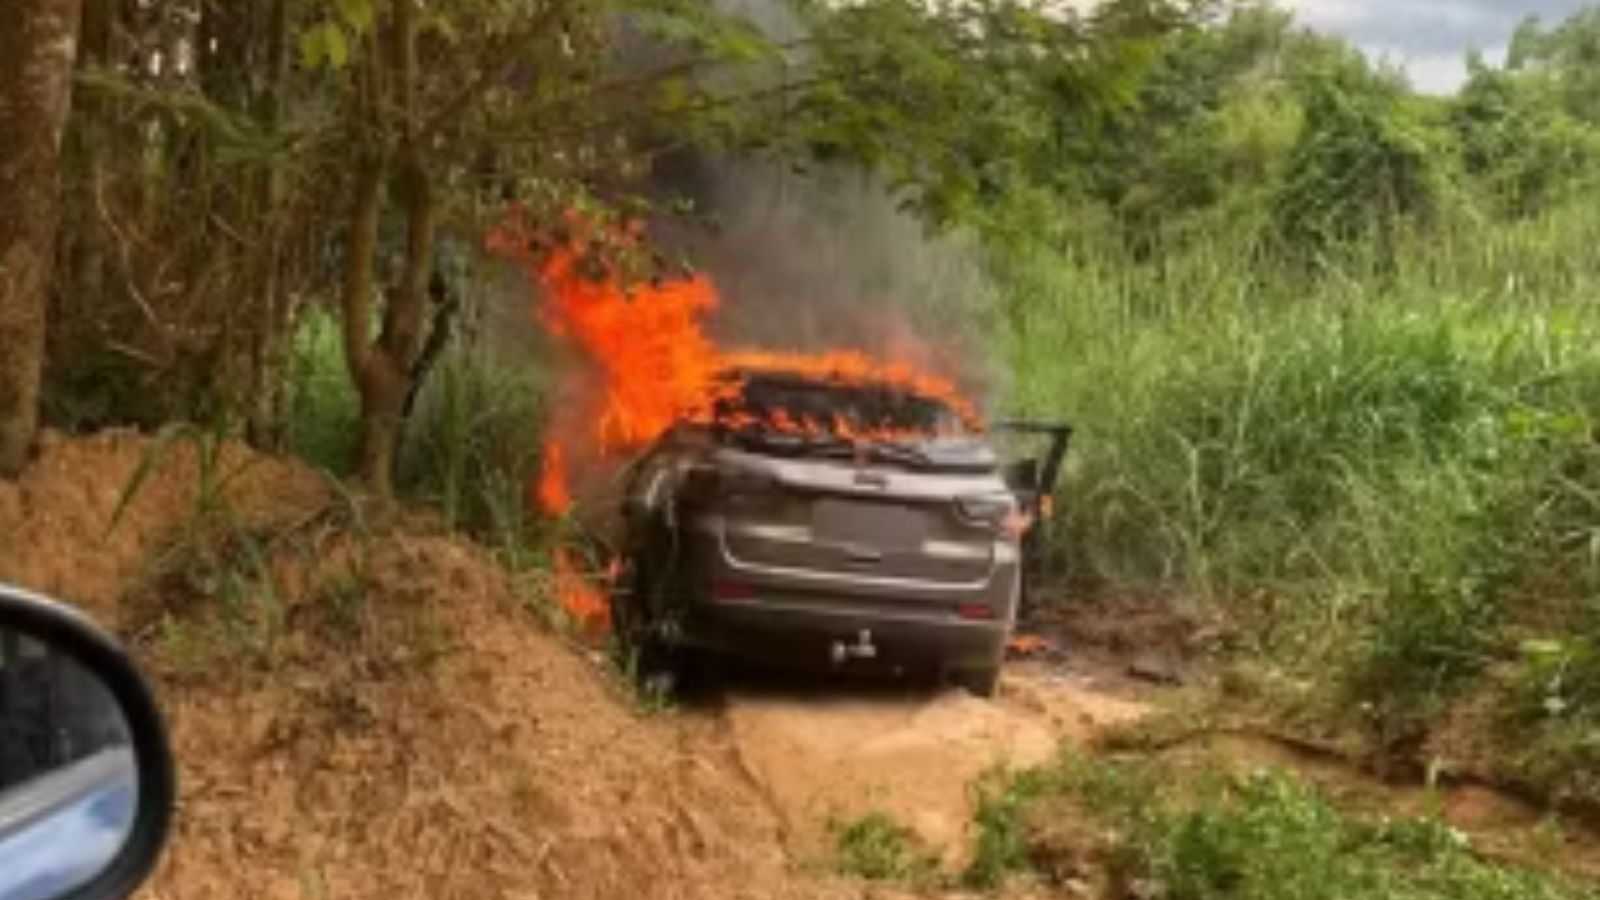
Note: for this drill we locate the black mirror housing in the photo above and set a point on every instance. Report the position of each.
(67, 633)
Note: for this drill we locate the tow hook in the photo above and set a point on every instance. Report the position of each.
(861, 649)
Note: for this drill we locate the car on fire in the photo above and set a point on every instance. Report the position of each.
(831, 524)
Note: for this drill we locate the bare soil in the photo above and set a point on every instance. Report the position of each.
(830, 752)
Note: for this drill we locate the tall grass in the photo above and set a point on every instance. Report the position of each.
(473, 441)
(1376, 465)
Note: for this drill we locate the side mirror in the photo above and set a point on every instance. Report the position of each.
(86, 772)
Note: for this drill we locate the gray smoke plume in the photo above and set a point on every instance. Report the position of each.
(824, 259)
(828, 260)
(820, 260)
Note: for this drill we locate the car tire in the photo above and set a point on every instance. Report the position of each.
(659, 667)
(983, 682)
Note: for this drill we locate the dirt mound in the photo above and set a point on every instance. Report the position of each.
(448, 749)
(376, 713)
(56, 533)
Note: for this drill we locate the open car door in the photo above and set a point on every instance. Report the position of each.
(1041, 447)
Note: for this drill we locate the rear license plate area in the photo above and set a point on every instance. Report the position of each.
(882, 526)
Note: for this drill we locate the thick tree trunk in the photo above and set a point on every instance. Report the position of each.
(385, 376)
(38, 46)
(360, 283)
(382, 368)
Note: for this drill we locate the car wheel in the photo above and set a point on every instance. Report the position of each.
(659, 667)
(980, 682)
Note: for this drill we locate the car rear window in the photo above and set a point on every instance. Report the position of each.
(783, 402)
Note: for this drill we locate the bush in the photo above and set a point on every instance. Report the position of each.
(1200, 834)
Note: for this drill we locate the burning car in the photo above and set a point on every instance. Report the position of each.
(828, 509)
(829, 522)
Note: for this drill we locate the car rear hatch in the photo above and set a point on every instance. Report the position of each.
(923, 533)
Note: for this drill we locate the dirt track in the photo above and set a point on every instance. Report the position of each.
(827, 752)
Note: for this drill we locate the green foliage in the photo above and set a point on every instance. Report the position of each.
(473, 441)
(1374, 470)
(877, 847)
(1518, 142)
(1002, 846)
(322, 425)
(1567, 54)
(1560, 678)
(212, 562)
(1269, 836)
(1017, 84)
(1367, 163)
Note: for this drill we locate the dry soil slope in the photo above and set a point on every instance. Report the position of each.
(426, 740)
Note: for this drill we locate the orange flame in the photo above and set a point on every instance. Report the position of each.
(657, 365)
(579, 596)
(649, 343)
(551, 493)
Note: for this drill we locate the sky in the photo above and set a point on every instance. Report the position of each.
(1429, 38)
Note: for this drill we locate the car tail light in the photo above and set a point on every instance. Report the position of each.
(724, 591)
(976, 611)
(987, 509)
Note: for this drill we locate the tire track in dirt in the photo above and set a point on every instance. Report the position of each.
(827, 753)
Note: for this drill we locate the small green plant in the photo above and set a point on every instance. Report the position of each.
(1559, 678)
(877, 847)
(211, 507)
(654, 689)
(182, 647)
(344, 597)
(1003, 800)
(211, 585)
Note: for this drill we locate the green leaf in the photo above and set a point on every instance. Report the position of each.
(1542, 649)
(324, 43)
(358, 14)
(338, 48)
(311, 48)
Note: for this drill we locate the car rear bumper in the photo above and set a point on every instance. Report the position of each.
(833, 635)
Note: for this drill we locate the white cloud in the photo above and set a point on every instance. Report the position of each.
(1429, 38)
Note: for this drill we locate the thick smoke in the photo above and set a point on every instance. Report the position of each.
(826, 261)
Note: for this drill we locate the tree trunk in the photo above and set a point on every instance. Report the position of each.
(382, 368)
(38, 46)
(275, 314)
(88, 249)
(383, 388)
(385, 374)
(360, 283)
